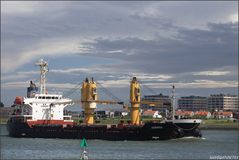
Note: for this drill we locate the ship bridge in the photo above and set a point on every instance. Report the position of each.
(42, 108)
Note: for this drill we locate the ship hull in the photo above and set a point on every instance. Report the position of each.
(148, 131)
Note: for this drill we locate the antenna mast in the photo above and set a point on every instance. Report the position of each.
(43, 70)
(173, 103)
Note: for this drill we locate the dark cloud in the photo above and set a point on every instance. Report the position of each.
(191, 50)
(176, 39)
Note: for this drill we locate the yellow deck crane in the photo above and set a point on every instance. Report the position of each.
(89, 99)
(88, 93)
(135, 100)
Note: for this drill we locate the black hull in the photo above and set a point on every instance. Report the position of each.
(149, 131)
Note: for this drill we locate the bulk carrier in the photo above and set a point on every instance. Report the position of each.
(41, 115)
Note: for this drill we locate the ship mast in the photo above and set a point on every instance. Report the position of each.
(43, 70)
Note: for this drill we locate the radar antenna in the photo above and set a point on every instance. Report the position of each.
(43, 70)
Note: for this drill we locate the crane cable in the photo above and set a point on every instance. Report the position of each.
(73, 90)
(106, 91)
(110, 94)
(145, 86)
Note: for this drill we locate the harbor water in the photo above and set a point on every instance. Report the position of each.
(215, 144)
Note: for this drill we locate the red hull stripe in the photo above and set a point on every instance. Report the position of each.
(61, 122)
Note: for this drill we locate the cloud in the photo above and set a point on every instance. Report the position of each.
(73, 70)
(17, 7)
(212, 73)
(114, 83)
(128, 32)
(125, 83)
(191, 44)
(9, 77)
(148, 12)
(13, 77)
(24, 84)
(15, 85)
(196, 84)
(152, 77)
(234, 18)
(184, 13)
(51, 48)
(115, 51)
(191, 50)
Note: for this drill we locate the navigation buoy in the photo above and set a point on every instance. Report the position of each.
(84, 153)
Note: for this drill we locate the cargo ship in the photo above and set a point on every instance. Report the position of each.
(41, 115)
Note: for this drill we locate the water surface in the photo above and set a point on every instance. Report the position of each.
(213, 143)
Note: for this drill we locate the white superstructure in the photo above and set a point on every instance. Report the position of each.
(44, 107)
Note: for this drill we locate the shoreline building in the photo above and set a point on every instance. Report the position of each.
(223, 102)
(192, 103)
(164, 105)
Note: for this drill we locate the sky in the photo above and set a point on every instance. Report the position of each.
(192, 45)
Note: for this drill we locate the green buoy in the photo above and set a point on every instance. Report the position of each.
(84, 153)
(83, 143)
